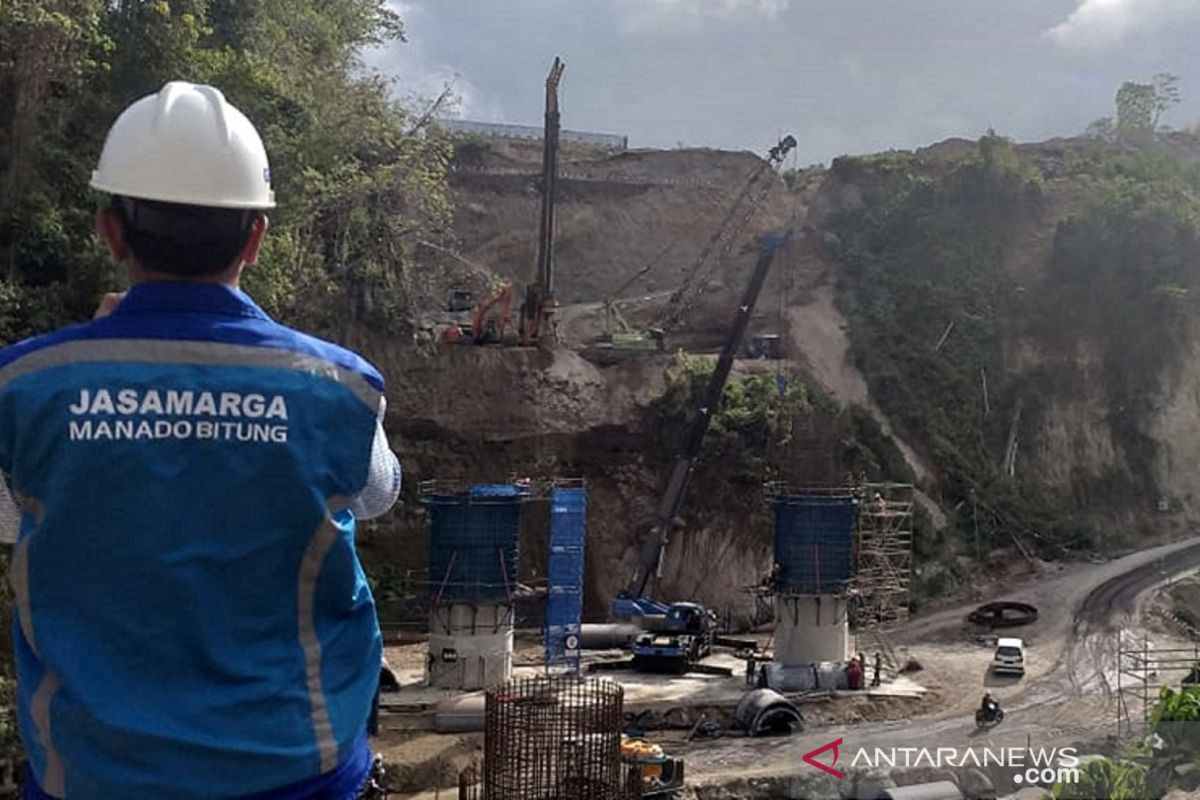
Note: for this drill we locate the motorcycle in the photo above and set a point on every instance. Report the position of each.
(987, 718)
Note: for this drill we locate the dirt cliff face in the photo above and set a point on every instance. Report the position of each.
(491, 413)
(615, 215)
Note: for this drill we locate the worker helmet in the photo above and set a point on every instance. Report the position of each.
(186, 145)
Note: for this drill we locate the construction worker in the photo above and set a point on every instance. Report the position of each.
(192, 620)
(854, 674)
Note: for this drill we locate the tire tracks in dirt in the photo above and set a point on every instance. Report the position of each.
(1097, 636)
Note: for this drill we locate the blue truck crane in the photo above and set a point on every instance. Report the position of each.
(680, 634)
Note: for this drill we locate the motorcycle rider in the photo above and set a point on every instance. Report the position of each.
(989, 706)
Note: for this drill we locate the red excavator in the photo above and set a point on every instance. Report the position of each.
(486, 328)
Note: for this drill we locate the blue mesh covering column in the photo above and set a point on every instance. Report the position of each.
(814, 543)
(564, 603)
(474, 543)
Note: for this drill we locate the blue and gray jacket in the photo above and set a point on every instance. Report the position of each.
(192, 620)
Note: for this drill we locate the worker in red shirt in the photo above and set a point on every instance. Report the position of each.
(854, 674)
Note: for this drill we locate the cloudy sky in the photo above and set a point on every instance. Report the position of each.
(843, 76)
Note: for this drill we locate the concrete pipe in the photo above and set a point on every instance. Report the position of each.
(765, 712)
(617, 636)
(460, 714)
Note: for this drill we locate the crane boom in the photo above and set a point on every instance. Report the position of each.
(727, 234)
(668, 508)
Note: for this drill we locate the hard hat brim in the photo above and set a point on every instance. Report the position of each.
(168, 197)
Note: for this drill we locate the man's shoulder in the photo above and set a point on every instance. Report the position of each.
(310, 345)
(13, 352)
(256, 332)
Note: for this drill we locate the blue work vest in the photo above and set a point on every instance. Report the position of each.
(192, 620)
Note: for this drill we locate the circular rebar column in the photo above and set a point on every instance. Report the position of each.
(553, 738)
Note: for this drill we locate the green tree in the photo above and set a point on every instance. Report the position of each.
(1140, 107)
(1103, 777)
(925, 254)
(356, 191)
(1169, 758)
(1173, 747)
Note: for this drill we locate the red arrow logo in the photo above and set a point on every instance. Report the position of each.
(809, 757)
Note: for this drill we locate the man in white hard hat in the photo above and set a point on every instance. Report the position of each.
(192, 618)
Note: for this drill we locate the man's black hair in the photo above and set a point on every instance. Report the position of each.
(187, 241)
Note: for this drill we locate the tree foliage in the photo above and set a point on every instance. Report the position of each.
(1123, 274)
(1104, 777)
(1140, 107)
(773, 425)
(925, 293)
(356, 191)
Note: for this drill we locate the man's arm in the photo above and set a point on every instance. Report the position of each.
(383, 479)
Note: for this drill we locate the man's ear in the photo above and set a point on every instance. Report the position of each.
(110, 231)
(258, 231)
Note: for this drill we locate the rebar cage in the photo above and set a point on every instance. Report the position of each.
(553, 737)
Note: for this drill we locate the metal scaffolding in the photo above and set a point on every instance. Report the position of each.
(884, 541)
(1143, 672)
(883, 548)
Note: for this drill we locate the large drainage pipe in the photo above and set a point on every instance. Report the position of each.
(617, 636)
(460, 714)
(765, 712)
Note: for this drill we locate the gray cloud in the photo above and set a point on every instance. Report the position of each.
(850, 76)
(1103, 23)
(668, 11)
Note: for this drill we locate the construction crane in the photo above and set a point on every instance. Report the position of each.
(538, 309)
(718, 247)
(616, 329)
(691, 628)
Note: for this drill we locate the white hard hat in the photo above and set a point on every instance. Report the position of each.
(186, 145)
